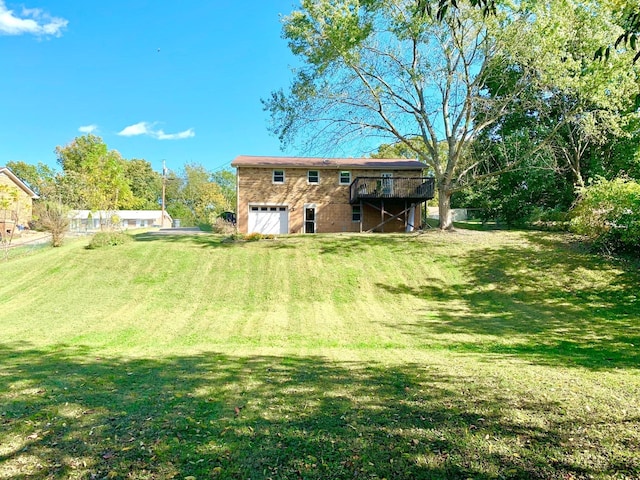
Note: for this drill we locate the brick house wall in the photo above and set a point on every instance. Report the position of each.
(255, 187)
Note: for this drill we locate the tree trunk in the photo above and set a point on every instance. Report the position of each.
(444, 208)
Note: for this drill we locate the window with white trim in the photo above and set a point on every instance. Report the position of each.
(345, 177)
(313, 176)
(278, 176)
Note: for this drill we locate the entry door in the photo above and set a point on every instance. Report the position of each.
(387, 183)
(309, 219)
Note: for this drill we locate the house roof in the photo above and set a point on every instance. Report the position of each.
(23, 186)
(123, 214)
(325, 163)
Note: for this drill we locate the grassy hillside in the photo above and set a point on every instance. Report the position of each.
(466, 355)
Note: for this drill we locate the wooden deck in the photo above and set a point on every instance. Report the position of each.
(411, 189)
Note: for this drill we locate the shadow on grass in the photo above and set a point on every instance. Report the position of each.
(327, 244)
(69, 414)
(549, 302)
(346, 245)
(199, 239)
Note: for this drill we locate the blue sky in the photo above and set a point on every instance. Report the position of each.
(158, 80)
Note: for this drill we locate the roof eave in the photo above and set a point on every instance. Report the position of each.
(23, 186)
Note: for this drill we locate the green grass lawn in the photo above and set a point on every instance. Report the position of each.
(483, 355)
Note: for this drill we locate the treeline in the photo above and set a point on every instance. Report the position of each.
(92, 177)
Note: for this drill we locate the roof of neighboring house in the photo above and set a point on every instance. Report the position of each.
(23, 186)
(335, 163)
(123, 214)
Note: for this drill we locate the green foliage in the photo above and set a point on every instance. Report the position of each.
(608, 212)
(530, 180)
(390, 70)
(97, 174)
(198, 197)
(145, 184)
(108, 239)
(40, 177)
(622, 155)
(226, 180)
(573, 120)
(446, 72)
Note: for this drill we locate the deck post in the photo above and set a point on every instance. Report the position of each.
(361, 214)
(405, 216)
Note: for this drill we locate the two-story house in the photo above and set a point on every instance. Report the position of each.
(278, 195)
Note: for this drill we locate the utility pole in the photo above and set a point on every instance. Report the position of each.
(164, 183)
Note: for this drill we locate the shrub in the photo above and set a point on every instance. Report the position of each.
(608, 212)
(53, 218)
(255, 236)
(222, 226)
(108, 239)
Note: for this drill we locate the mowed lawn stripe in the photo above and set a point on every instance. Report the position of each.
(436, 355)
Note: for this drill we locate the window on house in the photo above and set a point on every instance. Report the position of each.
(278, 176)
(356, 213)
(345, 178)
(313, 176)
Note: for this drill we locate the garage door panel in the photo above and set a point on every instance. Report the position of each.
(268, 220)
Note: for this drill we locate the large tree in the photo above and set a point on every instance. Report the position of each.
(197, 196)
(95, 177)
(145, 184)
(390, 69)
(399, 71)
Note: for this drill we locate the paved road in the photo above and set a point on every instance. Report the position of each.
(29, 237)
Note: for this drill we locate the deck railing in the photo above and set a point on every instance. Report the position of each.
(416, 189)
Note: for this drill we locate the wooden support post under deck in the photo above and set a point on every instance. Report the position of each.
(382, 215)
(405, 216)
(393, 217)
(361, 214)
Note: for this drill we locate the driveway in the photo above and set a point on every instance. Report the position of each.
(29, 237)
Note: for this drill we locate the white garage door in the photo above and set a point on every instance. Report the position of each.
(268, 219)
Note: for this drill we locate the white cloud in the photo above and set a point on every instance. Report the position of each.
(88, 128)
(146, 128)
(142, 128)
(160, 135)
(31, 21)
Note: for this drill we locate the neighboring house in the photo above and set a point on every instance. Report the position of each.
(16, 202)
(317, 195)
(88, 221)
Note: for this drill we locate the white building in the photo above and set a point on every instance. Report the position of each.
(91, 221)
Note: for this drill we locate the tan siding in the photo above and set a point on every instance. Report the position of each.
(23, 208)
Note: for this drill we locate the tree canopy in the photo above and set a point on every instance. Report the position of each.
(97, 178)
(397, 71)
(96, 174)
